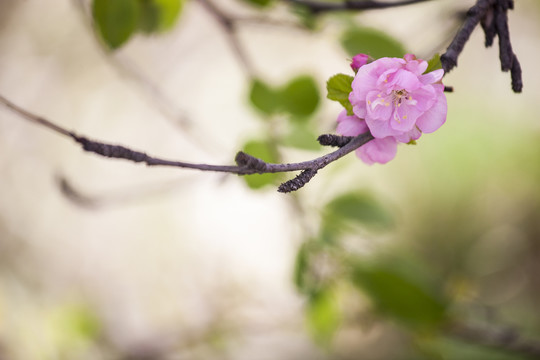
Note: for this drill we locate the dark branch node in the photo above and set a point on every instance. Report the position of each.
(515, 73)
(334, 140)
(448, 89)
(111, 151)
(250, 162)
(299, 181)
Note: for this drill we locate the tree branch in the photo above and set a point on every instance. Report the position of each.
(320, 6)
(246, 164)
(493, 16)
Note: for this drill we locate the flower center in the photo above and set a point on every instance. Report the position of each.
(399, 95)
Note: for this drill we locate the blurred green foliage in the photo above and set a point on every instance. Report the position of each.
(398, 296)
(323, 315)
(372, 42)
(298, 98)
(348, 211)
(297, 101)
(264, 98)
(259, 3)
(117, 20)
(265, 151)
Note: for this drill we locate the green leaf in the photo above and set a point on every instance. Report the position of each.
(434, 63)
(264, 98)
(339, 88)
(261, 150)
(372, 42)
(357, 207)
(300, 96)
(259, 3)
(301, 136)
(149, 16)
(158, 15)
(398, 296)
(116, 20)
(169, 12)
(323, 315)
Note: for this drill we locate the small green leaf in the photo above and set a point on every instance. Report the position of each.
(372, 42)
(116, 20)
(339, 88)
(149, 16)
(300, 96)
(169, 11)
(357, 207)
(259, 3)
(434, 63)
(323, 315)
(158, 15)
(301, 136)
(398, 296)
(261, 150)
(264, 98)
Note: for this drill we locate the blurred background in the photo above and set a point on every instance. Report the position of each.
(106, 259)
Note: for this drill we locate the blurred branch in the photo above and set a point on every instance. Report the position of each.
(121, 196)
(320, 6)
(493, 16)
(228, 24)
(503, 339)
(246, 164)
(154, 94)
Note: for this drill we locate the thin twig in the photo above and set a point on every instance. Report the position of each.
(228, 24)
(247, 164)
(320, 6)
(119, 196)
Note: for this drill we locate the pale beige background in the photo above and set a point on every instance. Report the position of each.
(205, 252)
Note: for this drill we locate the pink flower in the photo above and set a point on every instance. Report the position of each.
(397, 100)
(358, 61)
(377, 150)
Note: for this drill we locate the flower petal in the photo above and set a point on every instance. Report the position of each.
(381, 128)
(404, 118)
(433, 118)
(423, 98)
(350, 125)
(417, 67)
(379, 106)
(414, 134)
(358, 104)
(432, 77)
(378, 151)
(404, 79)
